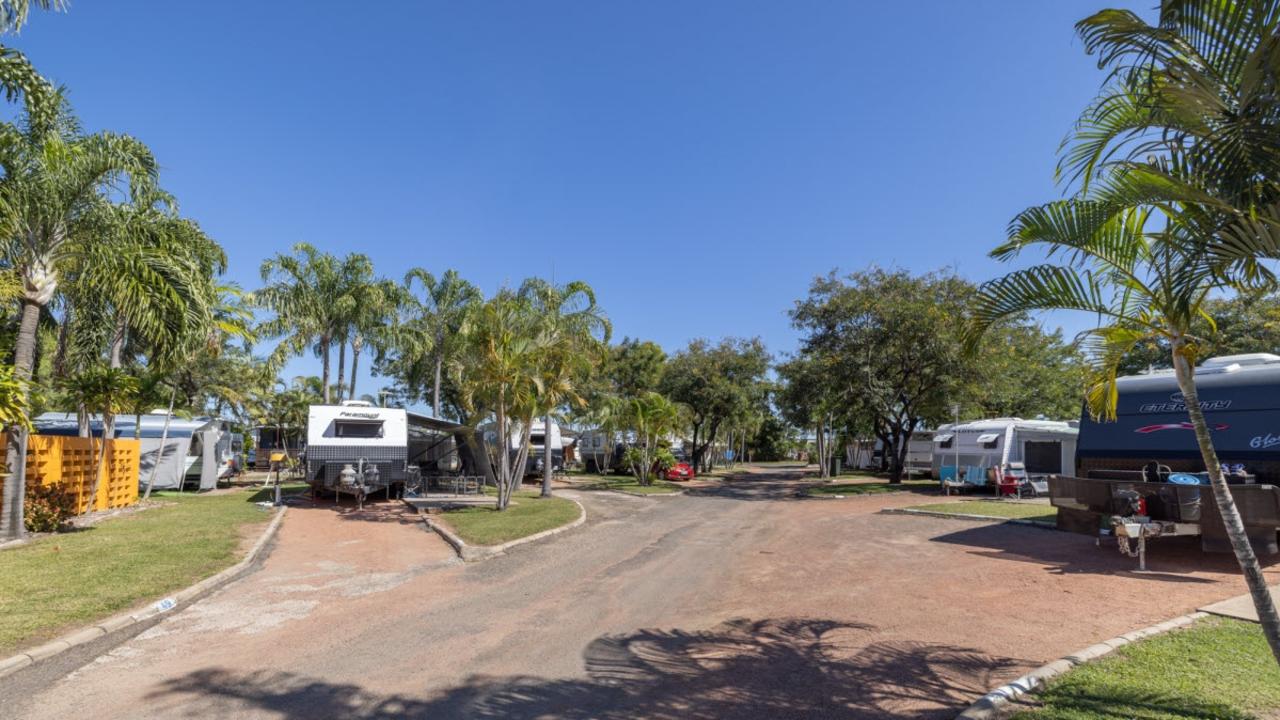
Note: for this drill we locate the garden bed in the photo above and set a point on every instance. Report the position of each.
(527, 515)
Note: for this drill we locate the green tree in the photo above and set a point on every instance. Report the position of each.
(889, 347)
(635, 367)
(576, 334)
(1177, 166)
(718, 382)
(651, 417)
(309, 293)
(431, 335)
(1235, 325)
(52, 178)
(106, 391)
(498, 373)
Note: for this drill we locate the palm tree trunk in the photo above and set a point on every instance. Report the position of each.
(355, 361)
(164, 438)
(546, 456)
(117, 344)
(324, 368)
(1262, 599)
(97, 470)
(12, 525)
(342, 365)
(64, 335)
(435, 397)
(25, 344)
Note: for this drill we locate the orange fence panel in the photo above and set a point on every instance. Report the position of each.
(68, 461)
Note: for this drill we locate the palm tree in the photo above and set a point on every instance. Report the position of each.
(14, 13)
(52, 176)
(498, 373)
(434, 323)
(308, 291)
(1179, 195)
(577, 334)
(107, 391)
(377, 303)
(651, 416)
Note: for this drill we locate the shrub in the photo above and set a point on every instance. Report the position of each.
(46, 507)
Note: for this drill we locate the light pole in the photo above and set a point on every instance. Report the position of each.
(955, 438)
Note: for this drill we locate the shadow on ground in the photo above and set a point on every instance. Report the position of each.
(788, 668)
(1168, 559)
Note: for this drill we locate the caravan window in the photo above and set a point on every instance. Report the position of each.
(989, 440)
(537, 439)
(943, 441)
(353, 429)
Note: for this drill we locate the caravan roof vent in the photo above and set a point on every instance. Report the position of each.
(356, 403)
(1244, 360)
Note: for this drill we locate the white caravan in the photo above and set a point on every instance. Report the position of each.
(197, 452)
(865, 454)
(358, 434)
(1043, 447)
(538, 439)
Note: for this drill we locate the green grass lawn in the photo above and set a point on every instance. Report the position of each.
(527, 515)
(1218, 668)
(862, 484)
(996, 508)
(63, 581)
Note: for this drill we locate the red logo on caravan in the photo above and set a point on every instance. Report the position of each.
(1147, 429)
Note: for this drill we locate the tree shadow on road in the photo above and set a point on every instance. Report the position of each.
(788, 668)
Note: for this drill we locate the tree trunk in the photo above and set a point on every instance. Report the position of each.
(97, 469)
(324, 368)
(821, 448)
(25, 344)
(64, 335)
(435, 396)
(117, 344)
(356, 344)
(342, 366)
(1257, 584)
(504, 456)
(164, 438)
(547, 471)
(12, 525)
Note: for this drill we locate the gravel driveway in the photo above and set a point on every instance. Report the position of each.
(741, 601)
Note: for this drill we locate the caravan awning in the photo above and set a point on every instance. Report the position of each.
(944, 437)
(985, 438)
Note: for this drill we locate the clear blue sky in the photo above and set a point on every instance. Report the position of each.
(697, 162)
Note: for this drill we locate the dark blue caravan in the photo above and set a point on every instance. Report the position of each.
(1240, 396)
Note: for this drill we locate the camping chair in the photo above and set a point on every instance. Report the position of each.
(949, 476)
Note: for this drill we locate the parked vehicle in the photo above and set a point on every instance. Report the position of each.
(356, 436)
(680, 471)
(196, 451)
(539, 436)
(1144, 472)
(982, 453)
(1240, 397)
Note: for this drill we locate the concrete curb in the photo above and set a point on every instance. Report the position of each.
(995, 704)
(128, 619)
(965, 516)
(473, 553)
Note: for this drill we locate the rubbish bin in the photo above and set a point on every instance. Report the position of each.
(1188, 494)
(835, 465)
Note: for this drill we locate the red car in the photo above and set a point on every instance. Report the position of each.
(680, 471)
